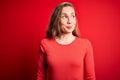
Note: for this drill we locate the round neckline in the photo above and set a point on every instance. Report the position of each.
(65, 44)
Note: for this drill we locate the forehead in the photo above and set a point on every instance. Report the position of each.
(68, 9)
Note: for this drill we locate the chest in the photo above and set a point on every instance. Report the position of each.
(65, 56)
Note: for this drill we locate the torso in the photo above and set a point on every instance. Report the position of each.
(65, 62)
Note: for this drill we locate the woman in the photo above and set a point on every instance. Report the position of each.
(63, 54)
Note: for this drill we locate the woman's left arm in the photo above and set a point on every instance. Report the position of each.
(89, 70)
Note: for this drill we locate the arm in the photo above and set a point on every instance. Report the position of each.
(89, 63)
(41, 74)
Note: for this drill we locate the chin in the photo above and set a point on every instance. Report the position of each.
(69, 31)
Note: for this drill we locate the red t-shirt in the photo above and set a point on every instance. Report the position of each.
(72, 61)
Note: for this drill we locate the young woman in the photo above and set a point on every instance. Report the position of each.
(63, 54)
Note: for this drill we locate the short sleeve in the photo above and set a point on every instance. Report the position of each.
(89, 62)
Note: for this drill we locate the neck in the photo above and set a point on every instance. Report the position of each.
(65, 38)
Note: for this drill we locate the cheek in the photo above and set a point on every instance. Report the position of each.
(74, 21)
(63, 21)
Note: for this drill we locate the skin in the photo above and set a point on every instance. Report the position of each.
(67, 20)
(67, 25)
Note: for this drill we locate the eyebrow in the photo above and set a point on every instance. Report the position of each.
(66, 13)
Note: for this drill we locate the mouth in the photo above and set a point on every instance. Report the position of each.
(68, 27)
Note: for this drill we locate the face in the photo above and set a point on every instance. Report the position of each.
(67, 20)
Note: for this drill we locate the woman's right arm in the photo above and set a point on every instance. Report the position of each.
(41, 74)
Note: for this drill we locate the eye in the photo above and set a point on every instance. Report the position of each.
(73, 16)
(64, 16)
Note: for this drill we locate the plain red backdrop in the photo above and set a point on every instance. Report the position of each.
(23, 24)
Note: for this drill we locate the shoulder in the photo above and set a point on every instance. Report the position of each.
(86, 44)
(44, 44)
(83, 40)
(46, 41)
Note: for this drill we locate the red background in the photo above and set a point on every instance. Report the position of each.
(23, 25)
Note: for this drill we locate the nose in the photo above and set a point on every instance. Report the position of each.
(69, 20)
